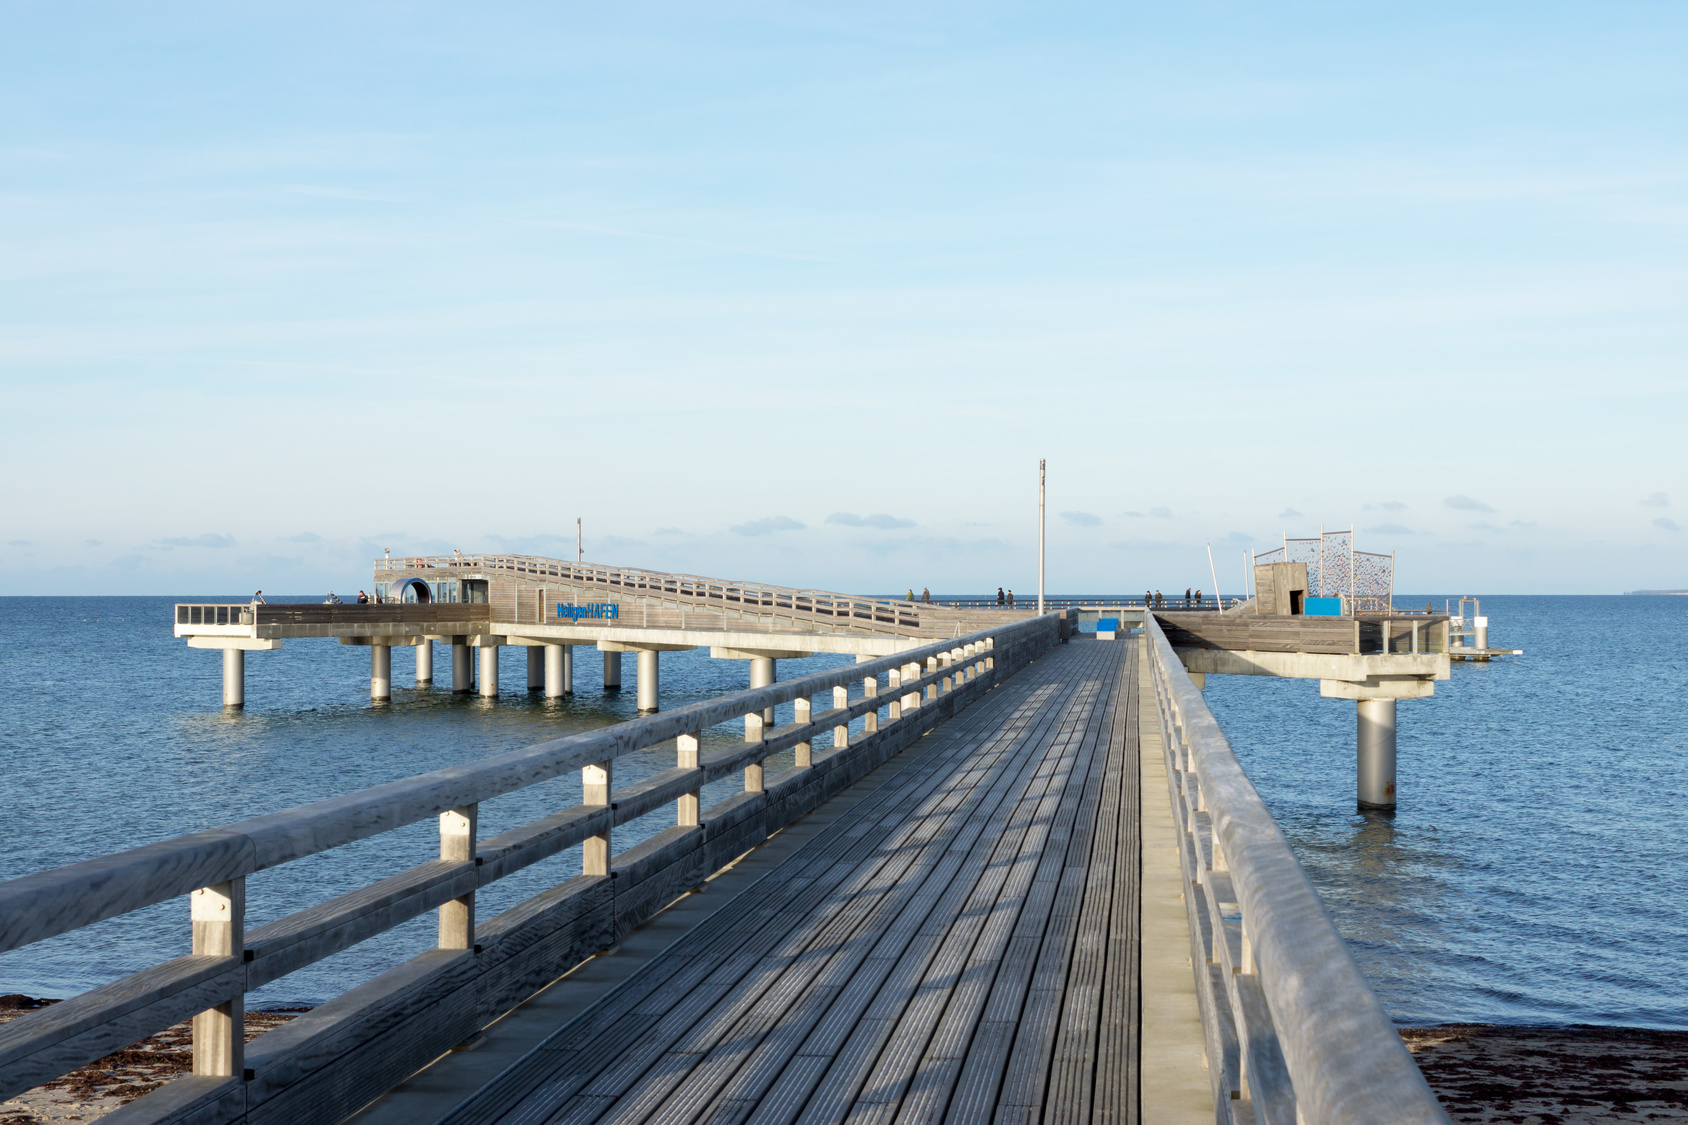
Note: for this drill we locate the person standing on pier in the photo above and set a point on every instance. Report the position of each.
(1148, 599)
(1011, 599)
(999, 600)
(1198, 599)
(926, 594)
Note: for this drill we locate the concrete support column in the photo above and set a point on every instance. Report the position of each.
(763, 673)
(381, 672)
(649, 679)
(489, 670)
(425, 663)
(234, 677)
(556, 677)
(1375, 742)
(612, 671)
(1480, 626)
(536, 668)
(461, 678)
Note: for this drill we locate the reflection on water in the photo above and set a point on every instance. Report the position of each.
(1534, 871)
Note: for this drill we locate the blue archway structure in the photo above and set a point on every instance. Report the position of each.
(412, 590)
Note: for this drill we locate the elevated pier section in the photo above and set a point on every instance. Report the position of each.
(549, 607)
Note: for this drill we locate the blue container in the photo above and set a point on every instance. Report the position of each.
(1322, 607)
(1107, 624)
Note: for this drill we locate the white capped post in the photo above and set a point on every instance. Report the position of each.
(234, 677)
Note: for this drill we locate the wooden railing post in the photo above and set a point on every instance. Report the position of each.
(870, 690)
(595, 790)
(990, 661)
(805, 750)
(931, 688)
(840, 735)
(755, 728)
(893, 681)
(457, 845)
(685, 752)
(945, 659)
(219, 930)
(911, 699)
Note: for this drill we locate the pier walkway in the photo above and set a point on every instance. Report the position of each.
(1017, 880)
(961, 945)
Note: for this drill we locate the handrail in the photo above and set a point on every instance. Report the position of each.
(811, 603)
(1294, 1033)
(418, 1010)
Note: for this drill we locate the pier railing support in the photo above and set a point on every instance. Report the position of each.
(219, 930)
(457, 845)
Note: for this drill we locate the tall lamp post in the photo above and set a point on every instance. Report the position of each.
(1040, 476)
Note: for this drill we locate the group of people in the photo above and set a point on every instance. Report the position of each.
(1004, 599)
(1153, 598)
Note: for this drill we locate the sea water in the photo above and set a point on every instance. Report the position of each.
(1534, 872)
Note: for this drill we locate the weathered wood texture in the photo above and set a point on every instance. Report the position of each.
(961, 945)
(324, 1065)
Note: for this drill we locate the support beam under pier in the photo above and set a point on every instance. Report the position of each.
(764, 671)
(234, 677)
(1375, 753)
(381, 673)
(462, 681)
(536, 668)
(612, 671)
(559, 671)
(425, 663)
(489, 670)
(649, 676)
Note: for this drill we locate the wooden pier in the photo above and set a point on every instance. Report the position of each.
(1011, 878)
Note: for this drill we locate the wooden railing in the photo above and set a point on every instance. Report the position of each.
(200, 613)
(1294, 1033)
(845, 610)
(325, 1064)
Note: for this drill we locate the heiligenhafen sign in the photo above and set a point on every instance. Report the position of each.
(595, 610)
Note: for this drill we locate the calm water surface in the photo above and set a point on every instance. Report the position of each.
(1535, 872)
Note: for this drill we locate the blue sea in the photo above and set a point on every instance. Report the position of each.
(1536, 871)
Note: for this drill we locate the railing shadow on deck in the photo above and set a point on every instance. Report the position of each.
(327, 1063)
(1294, 1034)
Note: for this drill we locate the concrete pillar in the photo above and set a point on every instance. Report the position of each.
(489, 670)
(536, 668)
(381, 672)
(234, 677)
(612, 671)
(763, 673)
(461, 680)
(1375, 742)
(557, 678)
(1480, 626)
(425, 663)
(649, 679)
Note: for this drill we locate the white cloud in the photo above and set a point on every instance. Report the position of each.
(1656, 500)
(1664, 524)
(879, 519)
(1161, 513)
(1082, 519)
(1463, 503)
(1290, 514)
(767, 525)
(1387, 529)
(206, 540)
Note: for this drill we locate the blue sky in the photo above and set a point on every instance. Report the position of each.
(801, 294)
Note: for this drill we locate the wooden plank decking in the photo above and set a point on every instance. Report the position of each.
(962, 945)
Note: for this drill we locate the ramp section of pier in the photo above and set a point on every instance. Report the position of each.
(961, 945)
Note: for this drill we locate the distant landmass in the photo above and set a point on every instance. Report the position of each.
(1656, 591)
